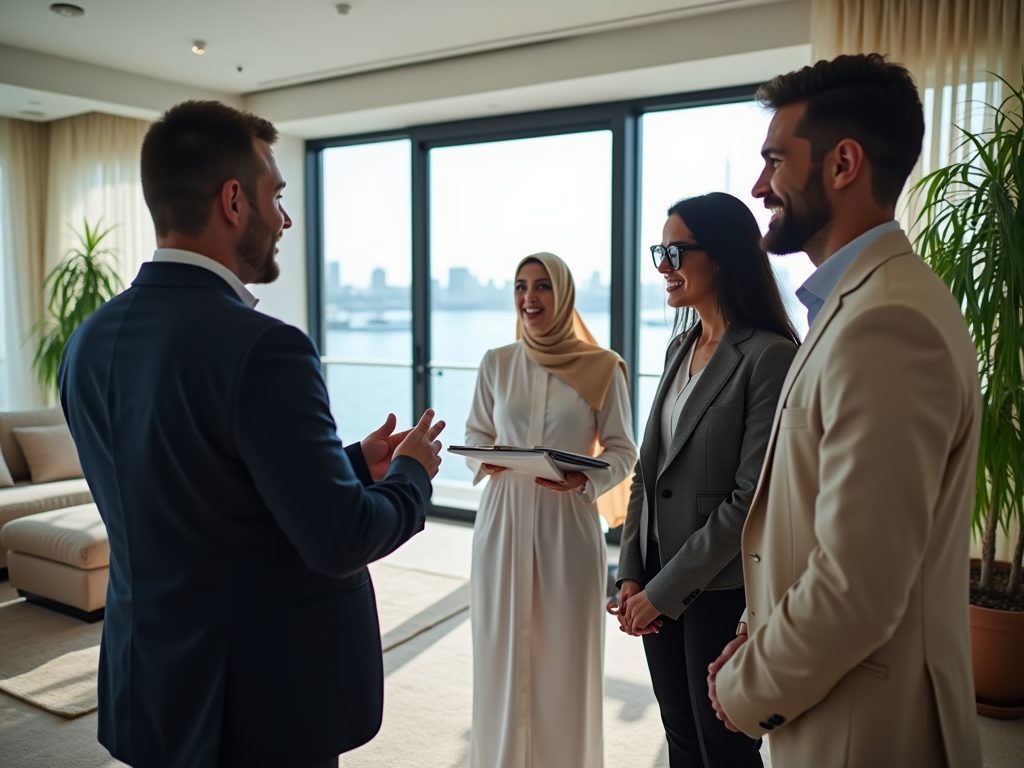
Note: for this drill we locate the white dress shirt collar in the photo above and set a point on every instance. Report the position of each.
(177, 256)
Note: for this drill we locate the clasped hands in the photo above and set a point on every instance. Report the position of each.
(573, 480)
(634, 611)
(420, 443)
(715, 667)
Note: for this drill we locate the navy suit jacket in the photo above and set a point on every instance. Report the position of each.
(241, 627)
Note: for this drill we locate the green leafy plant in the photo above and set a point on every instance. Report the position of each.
(82, 281)
(971, 232)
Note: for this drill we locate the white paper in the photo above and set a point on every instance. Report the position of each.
(534, 463)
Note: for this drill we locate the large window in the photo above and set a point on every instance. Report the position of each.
(418, 236)
(688, 152)
(366, 285)
(491, 204)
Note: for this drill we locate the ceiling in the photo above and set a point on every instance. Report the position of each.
(254, 45)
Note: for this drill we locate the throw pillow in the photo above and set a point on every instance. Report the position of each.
(49, 452)
(15, 459)
(6, 481)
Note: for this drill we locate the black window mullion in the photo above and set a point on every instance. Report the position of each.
(625, 211)
(314, 246)
(420, 276)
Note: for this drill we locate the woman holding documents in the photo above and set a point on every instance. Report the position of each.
(539, 562)
(706, 438)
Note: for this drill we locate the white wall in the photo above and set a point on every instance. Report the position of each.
(285, 298)
(731, 47)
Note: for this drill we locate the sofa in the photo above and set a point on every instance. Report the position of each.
(47, 478)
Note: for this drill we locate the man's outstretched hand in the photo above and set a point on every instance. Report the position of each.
(419, 443)
(380, 445)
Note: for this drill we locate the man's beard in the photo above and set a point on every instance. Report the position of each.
(802, 220)
(255, 249)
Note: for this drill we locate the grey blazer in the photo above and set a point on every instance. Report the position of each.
(704, 491)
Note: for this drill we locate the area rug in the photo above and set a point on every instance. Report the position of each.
(50, 660)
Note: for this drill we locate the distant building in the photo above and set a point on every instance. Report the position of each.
(461, 282)
(333, 275)
(378, 281)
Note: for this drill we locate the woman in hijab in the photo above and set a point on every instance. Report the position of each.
(539, 561)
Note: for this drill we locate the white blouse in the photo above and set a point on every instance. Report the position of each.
(671, 409)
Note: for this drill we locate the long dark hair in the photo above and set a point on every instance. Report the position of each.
(748, 293)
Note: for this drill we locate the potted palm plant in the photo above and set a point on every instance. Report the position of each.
(84, 279)
(971, 232)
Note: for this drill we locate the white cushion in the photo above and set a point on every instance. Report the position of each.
(27, 499)
(15, 460)
(6, 481)
(50, 452)
(75, 536)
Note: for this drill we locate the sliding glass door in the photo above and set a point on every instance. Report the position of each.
(689, 152)
(367, 282)
(413, 257)
(491, 204)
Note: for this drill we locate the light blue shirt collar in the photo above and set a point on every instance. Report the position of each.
(823, 280)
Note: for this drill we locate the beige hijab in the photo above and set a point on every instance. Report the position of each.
(568, 351)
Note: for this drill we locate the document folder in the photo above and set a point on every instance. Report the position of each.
(548, 463)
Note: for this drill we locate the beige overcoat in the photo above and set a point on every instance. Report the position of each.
(855, 550)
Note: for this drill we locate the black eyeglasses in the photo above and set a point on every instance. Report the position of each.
(674, 253)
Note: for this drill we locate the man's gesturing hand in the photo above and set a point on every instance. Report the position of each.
(714, 668)
(419, 443)
(379, 445)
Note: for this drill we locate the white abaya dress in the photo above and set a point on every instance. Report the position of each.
(539, 571)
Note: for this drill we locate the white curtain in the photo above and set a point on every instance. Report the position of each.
(24, 156)
(954, 48)
(957, 50)
(56, 175)
(94, 175)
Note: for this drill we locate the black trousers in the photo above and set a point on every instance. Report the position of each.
(678, 657)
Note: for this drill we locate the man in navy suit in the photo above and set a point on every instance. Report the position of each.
(241, 627)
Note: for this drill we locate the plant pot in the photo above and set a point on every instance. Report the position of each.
(997, 640)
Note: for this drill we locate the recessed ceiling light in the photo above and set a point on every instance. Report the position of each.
(32, 113)
(67, 10)
(34, 102)
(199, 47)
(343, 8)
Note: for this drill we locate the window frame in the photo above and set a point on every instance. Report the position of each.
(621, 118)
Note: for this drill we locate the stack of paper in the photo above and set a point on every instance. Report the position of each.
(548, 463)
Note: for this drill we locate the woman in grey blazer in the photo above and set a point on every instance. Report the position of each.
(680, 572)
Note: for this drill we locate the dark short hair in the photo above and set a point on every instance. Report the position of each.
(864, 98)
(748, 293)
(190, 152)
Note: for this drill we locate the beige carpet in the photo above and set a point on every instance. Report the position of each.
(427, 699)
(50, 660)
(411, 601)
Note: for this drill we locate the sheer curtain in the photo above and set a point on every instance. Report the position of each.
(24, 158)
(54, 176)
(94, 173)
(955, 49)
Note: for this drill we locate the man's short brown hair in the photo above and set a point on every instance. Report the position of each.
(190, 152)
(864, 98)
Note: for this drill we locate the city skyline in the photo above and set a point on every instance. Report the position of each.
(464, 291)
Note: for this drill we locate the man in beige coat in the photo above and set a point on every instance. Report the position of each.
(855, 550)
